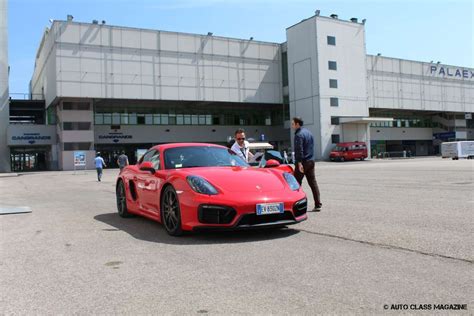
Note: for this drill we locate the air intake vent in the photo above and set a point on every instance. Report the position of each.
(334, 16)
(354, 20)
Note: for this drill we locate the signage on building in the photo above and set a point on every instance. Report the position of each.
(442, 71)
(31, 138)
(444, 136)
(79, 159)
(115, 137)
(468, 116)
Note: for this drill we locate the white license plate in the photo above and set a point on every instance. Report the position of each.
(269, 208)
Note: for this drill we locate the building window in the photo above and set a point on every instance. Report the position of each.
(99, 119)
(76, 106)
(334, 101)
(333, 83)
(335, 138)
(334, 120)
(331, 40)
(284, 68)
(76, 146)
(332, 65)
(76, 126)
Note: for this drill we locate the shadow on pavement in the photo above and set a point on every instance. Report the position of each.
(148, 230)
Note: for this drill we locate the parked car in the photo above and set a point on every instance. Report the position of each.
(196, 186)
(349, 151)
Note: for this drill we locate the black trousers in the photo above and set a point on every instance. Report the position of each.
(308, 167)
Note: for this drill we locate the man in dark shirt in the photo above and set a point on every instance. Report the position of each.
(122, 160)
(304, 159)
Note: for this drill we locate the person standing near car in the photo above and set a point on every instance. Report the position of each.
(99, 165)
(304, 159)
(241, 146)
(122, 160)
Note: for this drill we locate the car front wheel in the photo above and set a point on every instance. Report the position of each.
(170, 212)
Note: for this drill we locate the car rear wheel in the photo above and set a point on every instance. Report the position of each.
(170, 212)
(122, 200)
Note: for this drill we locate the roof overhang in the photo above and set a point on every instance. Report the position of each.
(364, 120)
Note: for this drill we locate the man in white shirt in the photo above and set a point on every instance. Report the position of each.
(241, 146)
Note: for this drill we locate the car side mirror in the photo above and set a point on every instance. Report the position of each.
(272, 163)
(147, 166)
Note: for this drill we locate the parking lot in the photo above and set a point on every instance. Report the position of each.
(392, 232)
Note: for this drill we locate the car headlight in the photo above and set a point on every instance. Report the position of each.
(200, 185)
(291, 180)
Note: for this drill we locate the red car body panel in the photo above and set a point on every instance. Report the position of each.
(239, 188)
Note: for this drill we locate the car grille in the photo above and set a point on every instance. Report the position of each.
(300, 207)
(215, 214)
(254, 219)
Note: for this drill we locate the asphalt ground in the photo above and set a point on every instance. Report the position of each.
(393, 237)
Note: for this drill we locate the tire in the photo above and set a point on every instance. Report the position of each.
(341, 159)
(121, 198)
(170, 212)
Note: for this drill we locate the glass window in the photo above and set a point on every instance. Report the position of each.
(140, 119)
(107, 118)
(99, 119)
(334, 120)
(332, 83)
(268, 121)
(172, 119)
(208, 119)
(179, 119)
(335, 138)
(187, 119)
(334, 101)
(155, 160)
(332, 65)
(132, 118)
(202, 120)
(194, 119)
(331, 40)
(148, 119)
(164, 119)
(124, 118)
(115, 118)
(156, 119)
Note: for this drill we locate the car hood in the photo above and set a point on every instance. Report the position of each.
(241, 179)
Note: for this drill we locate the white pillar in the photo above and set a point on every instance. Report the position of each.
(4, 93)
(369, 148)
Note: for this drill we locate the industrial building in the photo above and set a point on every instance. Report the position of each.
(98, 87)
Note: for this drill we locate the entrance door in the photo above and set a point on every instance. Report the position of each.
(28, 159)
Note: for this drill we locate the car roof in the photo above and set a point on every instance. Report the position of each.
(175, 145)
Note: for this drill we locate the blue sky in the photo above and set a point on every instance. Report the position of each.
(421, 30)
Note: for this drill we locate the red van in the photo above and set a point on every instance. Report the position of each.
(349, 151)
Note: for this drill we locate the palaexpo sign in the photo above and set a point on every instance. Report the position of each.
(451, 72)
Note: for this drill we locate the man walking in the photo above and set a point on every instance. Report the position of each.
(241, 146)
(304, 159)
(99, 165)
(122, 160)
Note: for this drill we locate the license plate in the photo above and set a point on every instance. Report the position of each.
(269, 208)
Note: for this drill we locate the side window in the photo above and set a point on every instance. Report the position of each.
(148, 155)
(155, 160)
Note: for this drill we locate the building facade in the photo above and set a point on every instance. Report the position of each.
(106, 88)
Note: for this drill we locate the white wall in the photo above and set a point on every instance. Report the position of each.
(383, 133)
(4, 93)
(412, 85)
(309, 74)
(101, 61)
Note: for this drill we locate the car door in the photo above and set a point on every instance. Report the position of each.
(152, 185)
(142, 180)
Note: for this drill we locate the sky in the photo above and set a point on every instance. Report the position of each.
(421, 30)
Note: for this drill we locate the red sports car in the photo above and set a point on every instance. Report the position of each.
(194, 186)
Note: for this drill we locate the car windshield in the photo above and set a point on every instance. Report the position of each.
(201, 156)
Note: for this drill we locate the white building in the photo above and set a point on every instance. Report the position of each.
(108, 88)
